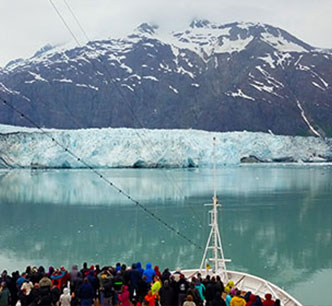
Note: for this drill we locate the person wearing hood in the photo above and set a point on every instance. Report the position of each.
(238, 300)
(45, 281)
(166, 275)
(50, 271)
(93, 280)
(149, 273)
(228, 295)
(134, 276)
(156, 270)
(258, 301)
(139, 268)
(65, 297)
(268, 300)
(124, 296)
(229, 286)
(150, 298)
(74, 275)
(86, 293)
(167, 295)
(252, 300)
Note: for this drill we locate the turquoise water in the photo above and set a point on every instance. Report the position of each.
(276, 221)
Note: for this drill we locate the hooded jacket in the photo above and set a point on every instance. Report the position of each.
(149, 273)
(252, 300)
(268, 300)
(124, 297)
(139, 268)
(65, 298)
(86, 291)
(237, 301)
(167, 295)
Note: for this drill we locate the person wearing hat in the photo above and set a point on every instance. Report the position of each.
(268, 300)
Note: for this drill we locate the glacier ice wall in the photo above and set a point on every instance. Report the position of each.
(122, 147)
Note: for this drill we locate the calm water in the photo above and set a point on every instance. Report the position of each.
(276, 221)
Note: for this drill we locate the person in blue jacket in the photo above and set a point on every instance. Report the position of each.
(149, 273)
(86, 293)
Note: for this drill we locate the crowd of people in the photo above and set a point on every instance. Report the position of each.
(119, 285)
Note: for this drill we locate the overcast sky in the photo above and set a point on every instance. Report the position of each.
(27, 25)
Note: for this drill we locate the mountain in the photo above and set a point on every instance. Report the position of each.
(232, 77)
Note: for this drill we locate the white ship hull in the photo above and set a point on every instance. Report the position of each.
(247, 282)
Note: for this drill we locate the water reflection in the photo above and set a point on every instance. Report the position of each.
(276, 221)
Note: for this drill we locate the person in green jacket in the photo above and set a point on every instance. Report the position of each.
(4, 295)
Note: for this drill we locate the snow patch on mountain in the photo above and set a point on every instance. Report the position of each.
(269, 60)
(282, 44)
(239, 93)
(229, 46)
(173, 89)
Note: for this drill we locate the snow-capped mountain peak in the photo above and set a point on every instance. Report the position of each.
(44, 49)
(249, 68)
(235, 37)
(147, 28)
(200, 23)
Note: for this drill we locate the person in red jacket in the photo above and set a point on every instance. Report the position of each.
(252, 300)
(124, 296)
(150, 298)
(268, 300)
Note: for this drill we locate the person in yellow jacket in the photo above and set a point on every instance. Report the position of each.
(156, 287)
(237, 300)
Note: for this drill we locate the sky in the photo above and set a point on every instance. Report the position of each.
(28, 25)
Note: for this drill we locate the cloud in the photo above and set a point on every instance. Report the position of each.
(28, 25)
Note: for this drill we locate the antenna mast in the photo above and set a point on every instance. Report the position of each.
(217, 260)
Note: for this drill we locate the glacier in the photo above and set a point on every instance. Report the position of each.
(151, 148)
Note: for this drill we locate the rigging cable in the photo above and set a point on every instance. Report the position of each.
(76, 19)
(101, 176)
(64, 22)
(105, 65)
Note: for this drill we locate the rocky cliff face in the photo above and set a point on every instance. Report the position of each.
(232, 77)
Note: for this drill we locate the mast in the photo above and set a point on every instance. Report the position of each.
(213, 246)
